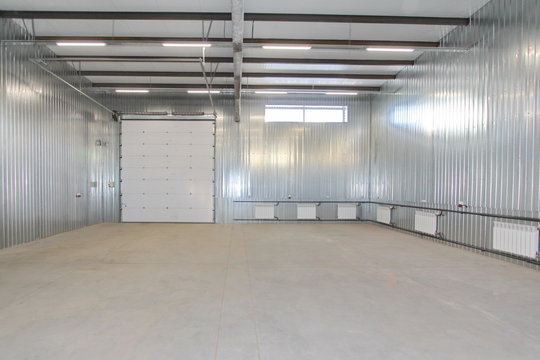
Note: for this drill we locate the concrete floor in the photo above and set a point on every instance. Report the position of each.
(271, 292)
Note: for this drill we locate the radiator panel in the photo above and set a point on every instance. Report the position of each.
(425, 222)
(264, 211)
(384, 214)
(515, 239)
(306, 211)
(346, 211)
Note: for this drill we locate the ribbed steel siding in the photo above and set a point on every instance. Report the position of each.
(306, 161)
(463, 126)
(47, 137)
(268, 161)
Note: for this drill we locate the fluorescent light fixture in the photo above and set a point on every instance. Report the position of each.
(305, 92)
(199, 45)
(387, 49)
(70, 43)
(138, 91)
(341, 93)
(286, 47)
(271, 92)
(203, 91)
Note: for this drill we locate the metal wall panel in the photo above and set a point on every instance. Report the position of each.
(48, 135)
(270, 161)
(463, 126)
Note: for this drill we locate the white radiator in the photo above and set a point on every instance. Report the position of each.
(306, 211)
(346, 211)
(425, 222)
(384, 214)
(264, 211)
(516, 239)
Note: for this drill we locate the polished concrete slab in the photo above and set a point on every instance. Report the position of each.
(271, 292)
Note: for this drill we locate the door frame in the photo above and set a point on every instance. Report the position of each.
(166, 117)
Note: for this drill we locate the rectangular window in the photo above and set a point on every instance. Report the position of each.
(305, 113)
(284, 113)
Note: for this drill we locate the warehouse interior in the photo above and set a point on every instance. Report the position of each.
(239, 179)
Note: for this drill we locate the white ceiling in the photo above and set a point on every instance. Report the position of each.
(285, 30)
(247, 68)
(447, 8)
(223, 29)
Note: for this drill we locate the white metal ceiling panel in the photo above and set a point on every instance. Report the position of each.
(324, 69)
(364, 7)
(170, 28)
(245, 81)
(227, 67)
(369, 7)
(151, 66)
(118, 5)
(295, 30)
(309, 82)
(357, 54)
(156, 80)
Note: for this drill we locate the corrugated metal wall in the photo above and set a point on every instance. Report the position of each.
(48, 136)
(463, 126)
(270, 161)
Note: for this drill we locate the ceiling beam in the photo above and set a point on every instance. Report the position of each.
(228, 86)
(246, 60)
(230, 74)
(237, 16)
(329, 42)
(318, 18)
(327, 61)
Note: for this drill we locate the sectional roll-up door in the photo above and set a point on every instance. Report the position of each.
(167, 171)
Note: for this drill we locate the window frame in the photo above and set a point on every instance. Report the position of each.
(344, 113)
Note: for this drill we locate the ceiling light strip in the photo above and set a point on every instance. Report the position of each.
(341, 93)
(286, 47)
(136, 91)
(271, 92)
(203, 91)
(197, 45)
(70, 43)
(389, 49)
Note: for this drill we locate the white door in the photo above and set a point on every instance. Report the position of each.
(167, 171)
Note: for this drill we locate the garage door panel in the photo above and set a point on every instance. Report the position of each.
(173, 201)
(167, 215)
(167, 171)
(170, 173)
(170, 127)
(205, 151)
(163, 161)
(159, 186)
(171, 139)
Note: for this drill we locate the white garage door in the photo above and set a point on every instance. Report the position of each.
(167, 171)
